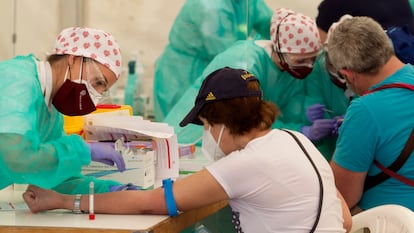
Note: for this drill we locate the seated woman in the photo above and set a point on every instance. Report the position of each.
(273, 183)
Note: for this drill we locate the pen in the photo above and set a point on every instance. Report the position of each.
(91, 193)
(328, 110)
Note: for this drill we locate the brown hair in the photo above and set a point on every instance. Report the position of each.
(241, 115)
(54, 57)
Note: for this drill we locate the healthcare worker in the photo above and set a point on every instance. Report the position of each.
(201, 30)
(327, 98)
(34, 148)
(280, 64)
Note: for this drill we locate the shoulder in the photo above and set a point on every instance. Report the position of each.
(18, 69)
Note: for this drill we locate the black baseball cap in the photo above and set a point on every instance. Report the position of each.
(224, 83)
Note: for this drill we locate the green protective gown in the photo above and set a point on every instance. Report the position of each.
(201, 30)
(320, 89)
(278, 87)
(34, 148)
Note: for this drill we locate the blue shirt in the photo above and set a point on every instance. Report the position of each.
(377, 126)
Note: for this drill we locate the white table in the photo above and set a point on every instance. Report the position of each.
(63, 221)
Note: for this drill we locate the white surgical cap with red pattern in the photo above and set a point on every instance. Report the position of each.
(91, 43)
(298, 33)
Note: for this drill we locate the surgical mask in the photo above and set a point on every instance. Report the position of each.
(211, 149)
(299, 72)
(73, 98)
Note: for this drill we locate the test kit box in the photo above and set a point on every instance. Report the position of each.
(139, 166)
(141, 138)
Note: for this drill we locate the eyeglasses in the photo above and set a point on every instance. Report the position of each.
(95, 77)
(299, 60)
(293, 60)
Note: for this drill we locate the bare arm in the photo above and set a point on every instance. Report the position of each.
(197, 190)
(346, 214)
(350, 184)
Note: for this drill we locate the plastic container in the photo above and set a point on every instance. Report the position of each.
(74, 124)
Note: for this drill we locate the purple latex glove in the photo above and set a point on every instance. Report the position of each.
(105, 153)
(315, 112)
(122, 187)
(337, 124)
(320, 129)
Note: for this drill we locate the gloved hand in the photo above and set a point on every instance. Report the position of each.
(337, 124)
(105, 153)
(321, 128)
(315, 112)
(122, 187)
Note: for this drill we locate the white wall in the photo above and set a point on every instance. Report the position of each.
(140, 26)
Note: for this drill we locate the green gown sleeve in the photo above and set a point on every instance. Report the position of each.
(33, 146)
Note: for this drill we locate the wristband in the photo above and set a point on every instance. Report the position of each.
(169, 197)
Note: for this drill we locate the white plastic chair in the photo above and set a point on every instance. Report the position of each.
(384, 219)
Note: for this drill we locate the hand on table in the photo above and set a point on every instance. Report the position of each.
(38, 199)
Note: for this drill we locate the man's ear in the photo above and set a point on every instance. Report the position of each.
(346, 73)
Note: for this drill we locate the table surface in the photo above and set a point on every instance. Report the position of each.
(22, 220)
(65, 222)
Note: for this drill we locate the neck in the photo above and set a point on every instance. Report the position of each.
(243, 140)
(365, 80)
(389, 68)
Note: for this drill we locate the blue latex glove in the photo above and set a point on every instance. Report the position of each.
(122, 187)
(105, 153)
(320, 129)
(315, 112)
(337, 124)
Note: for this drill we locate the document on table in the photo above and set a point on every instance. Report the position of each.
(12, 206)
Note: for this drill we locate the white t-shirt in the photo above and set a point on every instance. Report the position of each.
(274, 188)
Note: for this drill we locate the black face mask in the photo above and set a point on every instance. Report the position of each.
(73, 99)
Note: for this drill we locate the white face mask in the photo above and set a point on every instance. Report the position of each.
(211, 149)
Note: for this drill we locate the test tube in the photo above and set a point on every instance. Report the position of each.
(91, 200)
